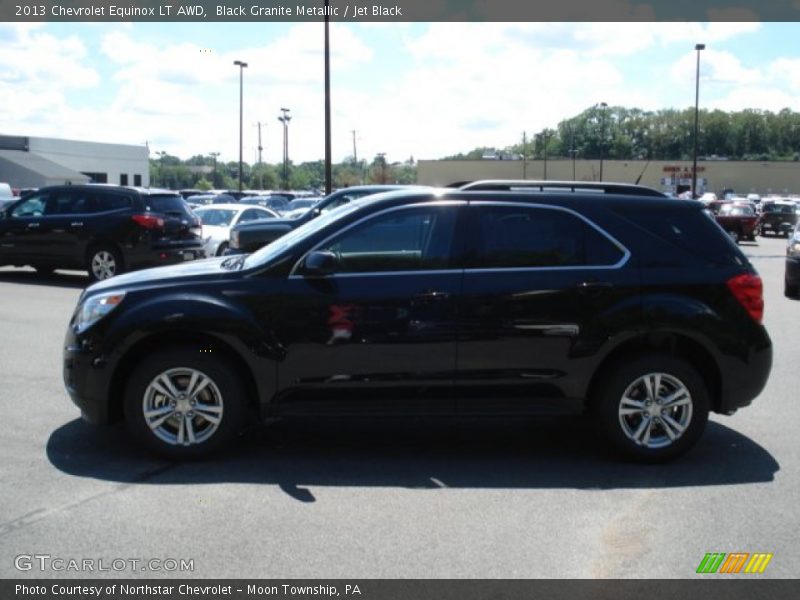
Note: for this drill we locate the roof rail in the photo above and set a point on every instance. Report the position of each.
(522, 185)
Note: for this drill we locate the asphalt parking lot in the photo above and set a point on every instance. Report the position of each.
(442, 500)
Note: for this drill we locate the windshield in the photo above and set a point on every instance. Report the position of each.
(273, 250)
(737, 211)
(220, 217)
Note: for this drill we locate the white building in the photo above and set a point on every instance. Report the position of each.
(32, 162)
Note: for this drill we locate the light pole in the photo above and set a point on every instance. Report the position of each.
(328, 166)
(285, 118)
(241, 66)
(697, 47)
(604, 106)
(162, 154)
(214, 155)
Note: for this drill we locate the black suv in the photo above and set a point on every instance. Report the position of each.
(103, 229)
(635, 308)
(249, 237)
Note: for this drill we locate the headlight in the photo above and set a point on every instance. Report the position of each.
(95, 308)
(234, 239)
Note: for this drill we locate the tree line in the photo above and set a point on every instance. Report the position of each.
(623, 133)
(205, 173)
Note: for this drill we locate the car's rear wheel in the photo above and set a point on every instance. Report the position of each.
(183, 403)
(790, 291)
(103, 262)
(734, 235)
(652, 408)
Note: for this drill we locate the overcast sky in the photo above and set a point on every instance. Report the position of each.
(415, 89)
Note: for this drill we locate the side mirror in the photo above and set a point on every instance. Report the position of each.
(320, 264)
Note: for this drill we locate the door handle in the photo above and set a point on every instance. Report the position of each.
(31, 225)
(76, 224)
(592, 288)
(430, 296)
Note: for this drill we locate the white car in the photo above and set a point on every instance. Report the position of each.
(218, 219)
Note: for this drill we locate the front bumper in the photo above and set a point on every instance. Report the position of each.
(87, 378)
(792, 273)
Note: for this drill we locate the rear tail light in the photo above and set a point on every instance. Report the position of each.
(149, 221)
(749, 291)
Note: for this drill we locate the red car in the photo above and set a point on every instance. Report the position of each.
(740, 220)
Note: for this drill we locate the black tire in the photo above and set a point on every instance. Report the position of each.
(221, 248)
(734, 236)
(104, 261)
(627, 378)
(790, 291)
(224, 398)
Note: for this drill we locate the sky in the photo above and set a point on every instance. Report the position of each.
(408, 90)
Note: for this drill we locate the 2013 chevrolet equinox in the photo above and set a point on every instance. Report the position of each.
(636, 308)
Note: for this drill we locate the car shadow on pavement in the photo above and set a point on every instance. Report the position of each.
(546, 453)
(71, 279)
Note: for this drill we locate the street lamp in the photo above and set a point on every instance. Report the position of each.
(328, 158)
(285, 118)
(604, 106)
(162, 154)
(697, 47)
(241, 66)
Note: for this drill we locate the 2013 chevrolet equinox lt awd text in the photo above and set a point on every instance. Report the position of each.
(637, 309)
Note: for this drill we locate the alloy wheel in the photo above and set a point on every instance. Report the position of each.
(655, 410)
(182, 406)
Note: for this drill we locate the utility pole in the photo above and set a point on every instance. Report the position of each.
(260, 147)
(382, 157)
(524, 155)
(355, 154)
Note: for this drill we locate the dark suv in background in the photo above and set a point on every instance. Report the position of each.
(103, 229)
(635, 308)
(249, 237)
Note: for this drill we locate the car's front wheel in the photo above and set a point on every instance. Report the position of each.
(222, 247)
(652, 408)
(185, 403)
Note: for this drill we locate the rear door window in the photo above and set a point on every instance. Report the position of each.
(512, 237)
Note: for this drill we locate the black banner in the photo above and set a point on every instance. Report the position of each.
(408, 589)
(400, 10)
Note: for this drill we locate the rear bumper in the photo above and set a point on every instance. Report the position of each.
(166, 254)
(744, 378)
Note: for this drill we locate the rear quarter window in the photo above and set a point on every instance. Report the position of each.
(685, 229)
